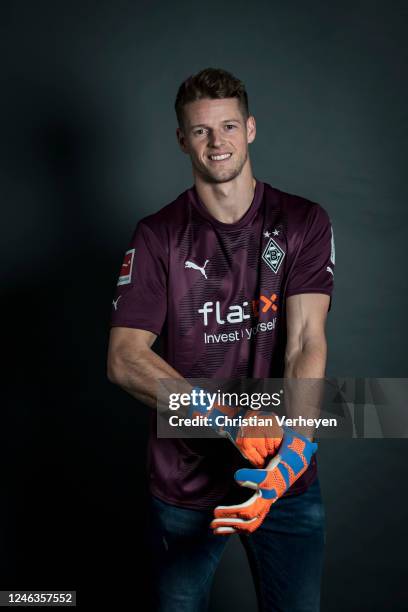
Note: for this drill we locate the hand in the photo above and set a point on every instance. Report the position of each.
(257, 441)
(270, 484)
(258, 436)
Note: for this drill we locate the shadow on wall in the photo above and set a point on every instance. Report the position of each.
(73, 446)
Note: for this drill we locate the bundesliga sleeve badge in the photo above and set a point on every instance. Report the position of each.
(125, 275)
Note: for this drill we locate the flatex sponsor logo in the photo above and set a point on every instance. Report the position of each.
(235, 314)
(239, 313)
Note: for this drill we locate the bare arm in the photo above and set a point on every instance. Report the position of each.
(134, 366)
(306, 353)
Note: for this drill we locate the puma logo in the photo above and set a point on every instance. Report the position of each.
(115, 302)
(194, 266)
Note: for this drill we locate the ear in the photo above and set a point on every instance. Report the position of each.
(251, 129)
(181, 140)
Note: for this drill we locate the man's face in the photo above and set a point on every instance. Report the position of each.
(216, 136)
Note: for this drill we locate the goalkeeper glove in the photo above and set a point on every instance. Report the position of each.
(254, 439)
(291, 461)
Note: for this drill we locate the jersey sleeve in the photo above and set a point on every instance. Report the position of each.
(141, 293)
(313, 269)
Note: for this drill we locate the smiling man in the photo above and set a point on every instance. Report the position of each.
(236, 276)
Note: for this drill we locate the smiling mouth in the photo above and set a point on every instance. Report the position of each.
(219, 157)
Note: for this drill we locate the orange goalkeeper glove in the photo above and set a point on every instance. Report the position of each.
(256, 434)
(270, 484)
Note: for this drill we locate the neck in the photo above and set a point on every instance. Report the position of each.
(228, 202)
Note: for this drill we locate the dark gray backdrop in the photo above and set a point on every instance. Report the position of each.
(88, 147)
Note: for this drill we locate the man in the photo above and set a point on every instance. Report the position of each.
(230, 243)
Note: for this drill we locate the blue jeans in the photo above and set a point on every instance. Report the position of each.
(285, 555)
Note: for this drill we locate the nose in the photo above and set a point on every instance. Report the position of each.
(215, 139)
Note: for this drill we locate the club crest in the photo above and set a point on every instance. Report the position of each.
(273, 255)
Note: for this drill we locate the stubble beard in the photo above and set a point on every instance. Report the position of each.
(223, 176)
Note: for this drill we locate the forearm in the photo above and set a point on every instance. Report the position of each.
(138, 373)
(306, 368)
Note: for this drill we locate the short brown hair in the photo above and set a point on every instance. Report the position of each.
(213, 83)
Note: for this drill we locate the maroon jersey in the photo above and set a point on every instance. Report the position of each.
(215, 292)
